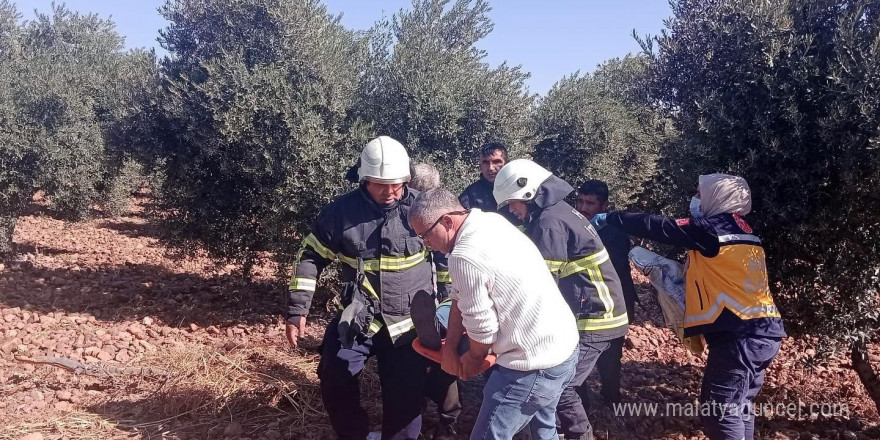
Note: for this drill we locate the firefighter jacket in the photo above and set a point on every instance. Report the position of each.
(444, 280)
(359, 232)
(479, 195)
(726, 287)
(578, 259)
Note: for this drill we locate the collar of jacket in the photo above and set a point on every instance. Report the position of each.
(482, 181)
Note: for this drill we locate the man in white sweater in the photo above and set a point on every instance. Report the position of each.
(507, 300)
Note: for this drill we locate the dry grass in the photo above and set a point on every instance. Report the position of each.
(259, 387)
(116, 273)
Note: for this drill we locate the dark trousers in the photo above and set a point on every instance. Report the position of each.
(573, 421)
(401, 376)
(630, 299)
(442, 389)
(734, 375)
(609, 371)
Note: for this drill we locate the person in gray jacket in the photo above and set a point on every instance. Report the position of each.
(576, 256)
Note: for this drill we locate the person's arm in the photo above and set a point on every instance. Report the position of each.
(553, 245)
(617, 244)
(450, 361)
(686, 233)
(478, 317)
(314, 255)
(441, 266)
(465, 199)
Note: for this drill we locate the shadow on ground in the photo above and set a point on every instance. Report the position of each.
(132, 291)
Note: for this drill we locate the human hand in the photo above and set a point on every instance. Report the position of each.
(471, 365)
(296, 330)
(450, 362)
(599, 220)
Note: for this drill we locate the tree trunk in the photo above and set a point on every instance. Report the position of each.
(866, 373)
(247, 267)
(7, 227)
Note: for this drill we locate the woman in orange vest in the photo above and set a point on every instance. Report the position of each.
(727, 298)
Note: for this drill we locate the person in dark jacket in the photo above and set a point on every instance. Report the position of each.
(577, 258)
(493, 157)
(727, 297)
(384, 264)
(592, 199)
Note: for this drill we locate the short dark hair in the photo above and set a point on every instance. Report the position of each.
(491, 147)
(596, 188)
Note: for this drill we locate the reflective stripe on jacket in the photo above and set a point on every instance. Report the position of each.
(395, 260)
(735, 279)
(576, 256)
(726, 278)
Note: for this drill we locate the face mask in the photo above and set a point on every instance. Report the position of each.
(695, 207)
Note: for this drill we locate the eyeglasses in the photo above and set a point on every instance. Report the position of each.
(437, 222)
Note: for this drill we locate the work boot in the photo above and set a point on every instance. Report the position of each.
(445, 432)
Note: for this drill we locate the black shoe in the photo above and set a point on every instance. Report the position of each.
(445, 432)
(423, 310)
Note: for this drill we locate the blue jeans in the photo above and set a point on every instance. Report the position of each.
(513, 399)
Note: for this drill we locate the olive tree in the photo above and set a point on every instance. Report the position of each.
(602, 126)
(787, 94)
(428, 86)
(255, 130)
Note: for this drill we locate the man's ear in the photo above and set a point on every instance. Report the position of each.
(448, 221)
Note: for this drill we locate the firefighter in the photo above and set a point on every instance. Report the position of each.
(727, 297)
(577, 258)
(384, 265)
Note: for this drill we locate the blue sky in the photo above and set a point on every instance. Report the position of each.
(549, 38)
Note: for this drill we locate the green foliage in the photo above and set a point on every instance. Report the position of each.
(64, 81)
(254, 123)
(51, 90)
(428, 87)
(787, 94)
(128, 179)
(600, 126)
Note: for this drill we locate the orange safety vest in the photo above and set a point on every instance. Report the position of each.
(735, 279)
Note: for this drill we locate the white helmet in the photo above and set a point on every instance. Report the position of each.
(519, 180)
(384, 160)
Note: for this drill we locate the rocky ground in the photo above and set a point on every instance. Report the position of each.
(104, 335)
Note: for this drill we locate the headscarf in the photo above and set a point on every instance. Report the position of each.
(723, 193)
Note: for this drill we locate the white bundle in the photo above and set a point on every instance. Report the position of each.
(667, 277)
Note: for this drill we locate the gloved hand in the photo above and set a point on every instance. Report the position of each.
(599, 220)
(354, 321)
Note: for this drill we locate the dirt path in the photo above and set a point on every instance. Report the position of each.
(174, 349)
